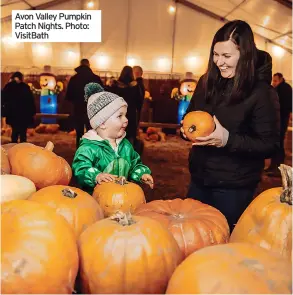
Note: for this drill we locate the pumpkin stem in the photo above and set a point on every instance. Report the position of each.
(123, 218)
(49, 146)
(121, 180)
(67, 192)
(286, 173)
(192, 128)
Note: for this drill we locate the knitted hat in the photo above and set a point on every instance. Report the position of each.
(101, 105)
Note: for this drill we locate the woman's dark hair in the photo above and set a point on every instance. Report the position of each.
(240, 33)
(126, 75)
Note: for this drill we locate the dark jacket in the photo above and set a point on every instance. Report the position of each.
(18, 104)
(75, 89)
(284, 91)
(131, 94)
(253, 126)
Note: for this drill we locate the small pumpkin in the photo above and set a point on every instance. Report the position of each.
(267, 221)
(233, 268)
(41, 165)
(193, 224)
(119, 195)
(5, 165)
(38, 250)
(198, 124)
(14, 187)
(132, 255)
(76, 206)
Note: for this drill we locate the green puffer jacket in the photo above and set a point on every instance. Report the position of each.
(95, 155)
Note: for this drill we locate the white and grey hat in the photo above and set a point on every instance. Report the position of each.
(101, 105)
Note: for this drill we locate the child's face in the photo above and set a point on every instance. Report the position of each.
(116, 124)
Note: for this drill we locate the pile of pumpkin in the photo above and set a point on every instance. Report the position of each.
(58, 239)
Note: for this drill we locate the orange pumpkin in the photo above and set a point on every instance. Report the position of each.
(66, 172)
(38, 250)
(193, 224)
(119, 195)
(76, 206)
(38, 164)
(198, 124)
(267, 221)
(8, 146)
(5, 166)
(232, 268)
(132, 254)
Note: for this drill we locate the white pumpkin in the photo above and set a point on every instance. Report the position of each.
(14, 187)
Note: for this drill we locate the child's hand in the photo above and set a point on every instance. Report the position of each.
(148, 179)
(105, 177)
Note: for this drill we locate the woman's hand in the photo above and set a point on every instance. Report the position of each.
(182, 130)
(218, 138)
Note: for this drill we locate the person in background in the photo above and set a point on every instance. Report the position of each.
(137, 73)
(18, 106)
(226, 166)
(75, 94)
(128, 88)
(284, 91)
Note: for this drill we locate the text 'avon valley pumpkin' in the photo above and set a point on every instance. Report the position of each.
(38, 250)
(40, 165)
(193, 224)
(76, 206)
(127, 254)
(119, 195)
(267, 221)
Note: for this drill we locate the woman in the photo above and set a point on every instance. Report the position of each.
(18, 106)
(128, 88)
(226, 166)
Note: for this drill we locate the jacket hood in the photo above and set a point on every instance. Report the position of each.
(83, 70)
(264, 66)
(92, 135)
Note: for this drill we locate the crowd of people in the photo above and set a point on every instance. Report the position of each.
(250, 107)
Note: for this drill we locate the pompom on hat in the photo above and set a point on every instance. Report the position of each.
(101, 105)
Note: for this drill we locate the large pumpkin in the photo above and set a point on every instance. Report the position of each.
(267, 221)
(127, 254)
(38, 250)
(198, 124)
(232, 268)
(14, 187)
(5, 166)
(119, 195)
(78, 207)
(193, 224)
(40, 165)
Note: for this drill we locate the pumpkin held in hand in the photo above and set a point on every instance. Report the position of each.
(38, 250)
(198, 124)
(40, 165)
(127, 254)
(14, 187)
(193, 224)
(76, 206)
(267, 221)
(119, 195)
(233, 268)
